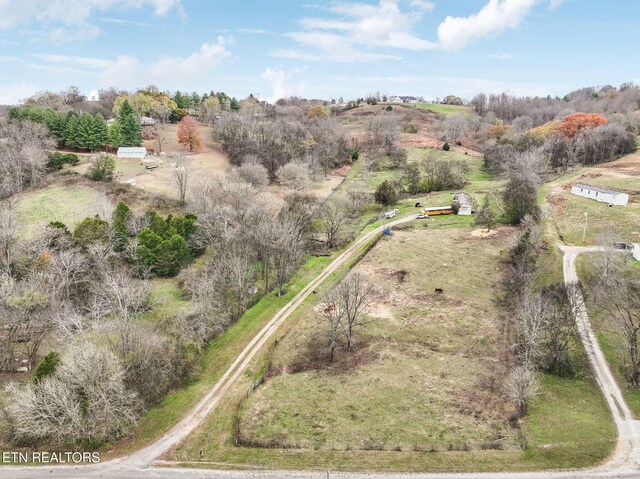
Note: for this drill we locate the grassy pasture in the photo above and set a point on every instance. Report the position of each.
(446, 109)
(69, 204)
(407, 389)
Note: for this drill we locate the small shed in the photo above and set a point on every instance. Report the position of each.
(147, 121)
(462, 204)
(132, 152)
(600, 194)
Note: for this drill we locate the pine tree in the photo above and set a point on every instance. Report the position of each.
(71, 131)
(130, 126)
(121, 216)
(114, 134)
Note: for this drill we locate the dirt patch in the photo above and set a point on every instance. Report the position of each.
(317, 357)
(398, 275)
(483, 233)
(629, 165)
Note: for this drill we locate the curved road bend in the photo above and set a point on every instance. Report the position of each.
(622, 465)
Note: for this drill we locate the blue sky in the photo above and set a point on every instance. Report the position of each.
(317, 48)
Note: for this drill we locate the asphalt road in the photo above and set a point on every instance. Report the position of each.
(145, 463)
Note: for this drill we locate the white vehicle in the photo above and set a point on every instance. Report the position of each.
(390, 214)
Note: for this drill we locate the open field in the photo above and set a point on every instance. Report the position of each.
(425, 373)
(69, 204)
(445, 109)
(329, 409)
(566, 212)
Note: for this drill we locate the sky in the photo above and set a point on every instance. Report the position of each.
(318, 48)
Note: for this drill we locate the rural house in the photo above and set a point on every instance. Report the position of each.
(600, 194)
(462, 204)
(132, 152)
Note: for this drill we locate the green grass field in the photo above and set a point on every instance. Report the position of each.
(566, 212)
(69, 204)
(445, 109)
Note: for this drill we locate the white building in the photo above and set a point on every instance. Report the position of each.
(463, 203)
(600, 194)
(132, 152)
(636, 251)
(147, 121)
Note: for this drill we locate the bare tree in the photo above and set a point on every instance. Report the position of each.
(253, 173)
(455, 127)
(294, 175)
(352, 297)
(181, 170)
(560, 327)
(8, 229)
(331, 314)
(521, 386)
(85, 399)
(332, 224)
(358, 197)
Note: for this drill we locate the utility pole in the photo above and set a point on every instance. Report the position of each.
(584, 230)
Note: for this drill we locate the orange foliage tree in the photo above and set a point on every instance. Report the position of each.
(317, 111)
(573, 124)
(188, 134)
(496, 131)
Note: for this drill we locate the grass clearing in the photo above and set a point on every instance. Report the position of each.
(413, 379)
(566, 212)
(69, 204)
(446, 109)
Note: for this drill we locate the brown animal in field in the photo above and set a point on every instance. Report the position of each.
(439, 290)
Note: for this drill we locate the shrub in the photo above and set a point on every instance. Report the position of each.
(355, 155)
(57, 160)
(389, 108)
(103, 168)
(446, 147)
(47, 366)
(386, 194)
(410, 127)
(91, 230)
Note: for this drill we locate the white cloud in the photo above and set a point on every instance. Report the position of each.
(553, 4)
(70, 20)
(502, 56)
(129, 72)
(361, 28)
(280, 83)
(423, 5)
(495, 17)
(16, 92)
(8, 59)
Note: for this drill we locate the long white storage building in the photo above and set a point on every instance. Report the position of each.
(600, 194)
(132, 152)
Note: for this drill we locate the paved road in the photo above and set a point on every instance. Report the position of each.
(623, 464)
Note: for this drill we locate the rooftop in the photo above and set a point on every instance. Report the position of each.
(596, 188)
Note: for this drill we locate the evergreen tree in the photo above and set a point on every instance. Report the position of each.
(114, 134)
(386, 194)
(47, 366)
(130, 126)
(71, 130)
(91, 230)
(121, 216)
